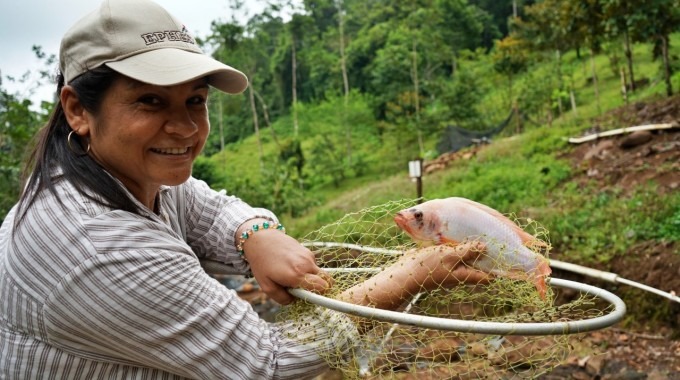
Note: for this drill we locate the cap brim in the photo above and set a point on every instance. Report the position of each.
(169, 67)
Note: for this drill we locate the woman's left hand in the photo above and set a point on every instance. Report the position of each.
(278, 261)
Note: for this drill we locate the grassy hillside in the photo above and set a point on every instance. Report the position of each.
(526, 174)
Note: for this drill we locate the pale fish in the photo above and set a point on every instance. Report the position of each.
(455, 220)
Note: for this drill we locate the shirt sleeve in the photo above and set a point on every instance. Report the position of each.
(212, 219)
(143, 300)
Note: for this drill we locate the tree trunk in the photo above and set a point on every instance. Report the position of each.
(295, 115)
(560, 83)
(416, 89)
(510, 94)
(624, 86)
(596, 88)
(629, 58)
(256, 125)
(666, 65)
(265, 113)
(345, 82)
(294, 85)
(518, 116)
(220, 119)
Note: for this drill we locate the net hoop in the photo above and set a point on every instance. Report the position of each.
(482, 327)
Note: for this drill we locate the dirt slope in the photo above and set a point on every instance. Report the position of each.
(647, 344)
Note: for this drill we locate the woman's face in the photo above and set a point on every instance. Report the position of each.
(147, 135)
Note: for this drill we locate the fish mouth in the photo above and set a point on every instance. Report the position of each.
(401, 221)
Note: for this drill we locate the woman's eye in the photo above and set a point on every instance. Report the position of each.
(197, 100)
(150, 100)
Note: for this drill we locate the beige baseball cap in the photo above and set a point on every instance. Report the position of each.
(141, 40)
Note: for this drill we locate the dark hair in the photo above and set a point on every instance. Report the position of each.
(51, 150)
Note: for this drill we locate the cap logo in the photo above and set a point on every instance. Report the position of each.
(168, 35)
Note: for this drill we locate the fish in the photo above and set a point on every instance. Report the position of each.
(455, 220)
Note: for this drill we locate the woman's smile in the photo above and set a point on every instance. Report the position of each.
(171, 151)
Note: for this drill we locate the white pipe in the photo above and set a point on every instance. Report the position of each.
(613, 132)
(610, 277)
(362, 248)
(482, 327)
(504, 328)
(588, 272)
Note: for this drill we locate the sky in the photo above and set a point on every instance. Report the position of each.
(24, 23)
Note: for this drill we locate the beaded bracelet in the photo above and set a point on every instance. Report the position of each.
(257, 227)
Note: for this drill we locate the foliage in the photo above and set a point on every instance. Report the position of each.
(18, 124)
(279, 189)
(205, 170)
(458, 104)
(504, 184)
(594, 224)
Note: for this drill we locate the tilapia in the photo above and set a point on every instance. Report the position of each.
(455, 220)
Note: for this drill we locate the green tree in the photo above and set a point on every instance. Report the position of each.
(661, 19)
(511, 57)
(18, 124)
(500, 11)
(622, 19)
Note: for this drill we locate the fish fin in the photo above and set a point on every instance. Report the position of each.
(541, 286)
(543, 268)
(445, 240)
(537, 245)
(528, 239)
(536, 277)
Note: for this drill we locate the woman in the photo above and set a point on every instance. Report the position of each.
(99, 261)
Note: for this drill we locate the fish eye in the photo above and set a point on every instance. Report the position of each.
(418, 214)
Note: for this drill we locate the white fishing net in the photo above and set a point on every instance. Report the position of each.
(361, 244)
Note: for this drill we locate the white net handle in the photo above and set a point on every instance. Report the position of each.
(480, 327)
(483, 327)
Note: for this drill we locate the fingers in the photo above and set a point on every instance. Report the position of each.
(327, 277)
(318, 283)
(471, 250)
(471, 276)
(277, 293)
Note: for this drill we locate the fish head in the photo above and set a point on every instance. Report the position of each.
(420, 223)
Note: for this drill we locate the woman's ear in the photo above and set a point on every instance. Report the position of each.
(77, 116)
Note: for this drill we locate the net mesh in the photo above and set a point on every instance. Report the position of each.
(361, 244)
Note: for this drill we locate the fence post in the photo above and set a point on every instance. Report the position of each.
(415, 170)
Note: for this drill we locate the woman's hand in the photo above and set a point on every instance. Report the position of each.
(278, 261)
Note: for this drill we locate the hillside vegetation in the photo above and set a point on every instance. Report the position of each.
(525, 173)
(532, 173)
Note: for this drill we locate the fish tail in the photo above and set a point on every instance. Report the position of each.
(542, 271)
(541, 286)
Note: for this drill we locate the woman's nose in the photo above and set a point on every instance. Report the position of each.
(181, 123)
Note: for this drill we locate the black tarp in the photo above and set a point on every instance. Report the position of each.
(455, 138)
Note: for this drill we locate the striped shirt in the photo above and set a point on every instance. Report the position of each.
(91, 292)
